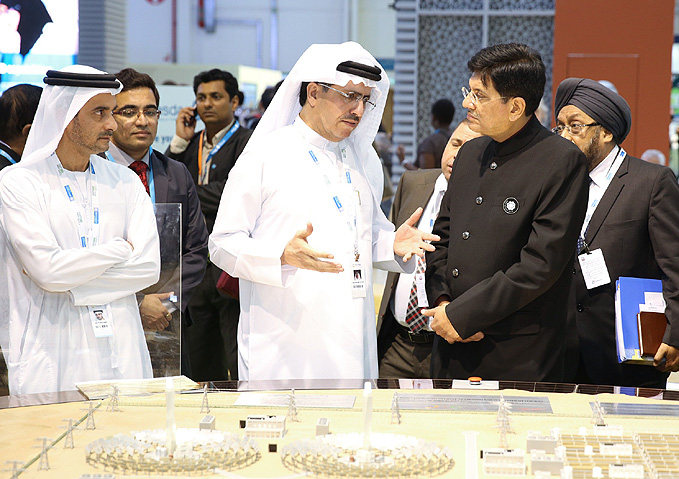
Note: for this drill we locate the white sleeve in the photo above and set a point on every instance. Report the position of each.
(231, 244)
(29, 231)
(383, 245)
(141, 270)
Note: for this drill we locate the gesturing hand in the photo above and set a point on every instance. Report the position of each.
(298, 253)
(409, 240)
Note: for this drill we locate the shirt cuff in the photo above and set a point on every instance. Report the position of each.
(178, 144)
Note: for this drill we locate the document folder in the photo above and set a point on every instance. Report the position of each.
(651, 331)
(631, 296)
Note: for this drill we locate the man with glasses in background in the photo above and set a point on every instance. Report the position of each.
(300, 223)
(500, 275)
(631, 228)
(166, 181)
(404, 338)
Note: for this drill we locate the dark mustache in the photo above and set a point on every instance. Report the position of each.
(352, 116)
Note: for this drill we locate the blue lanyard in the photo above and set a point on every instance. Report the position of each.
(80, 211)
(152, 188)
(8, 156)
(338, 203)
(599, 193)
(352, 224)
(222, 142)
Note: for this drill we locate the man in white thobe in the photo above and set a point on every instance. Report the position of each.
(78, 239)
(300, 224)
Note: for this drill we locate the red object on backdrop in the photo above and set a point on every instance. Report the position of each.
(201, 13)
(628, 44)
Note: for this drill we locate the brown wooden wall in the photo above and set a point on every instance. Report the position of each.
(628, 42)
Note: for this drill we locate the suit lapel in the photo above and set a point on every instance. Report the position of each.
(418, 194)
(160, 179)
(607, 201)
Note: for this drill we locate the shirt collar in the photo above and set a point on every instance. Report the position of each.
(218, 136)
(311, 136)
(441, 184)
(598, 174)
(122, 158)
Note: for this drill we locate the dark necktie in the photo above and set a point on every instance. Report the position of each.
(414, 317)
(141, 169)
(581, 238)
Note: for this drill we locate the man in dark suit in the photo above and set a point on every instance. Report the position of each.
(209, 155)
(17, 109)
(167, 181)
(500, 275)
(405, 351)
(633, 221)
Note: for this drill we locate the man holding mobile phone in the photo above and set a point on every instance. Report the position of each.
(209, 155)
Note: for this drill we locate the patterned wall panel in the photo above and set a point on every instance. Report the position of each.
(508, 5)
(449, 32)
(101, 42)
(535, 31)
(445, 44)
(451, 4)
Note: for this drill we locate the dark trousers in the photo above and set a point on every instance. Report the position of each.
(631, 375)
(212, 343)
(399, 357)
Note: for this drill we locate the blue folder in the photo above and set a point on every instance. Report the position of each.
(629, 294)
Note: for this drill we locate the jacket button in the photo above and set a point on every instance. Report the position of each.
(580, 308)
(465, 235)
(574, 272)
(455, 273)
(479, 200)
(493, 165)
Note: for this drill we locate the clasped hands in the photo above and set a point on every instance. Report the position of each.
(441, 325)
(155, 316)
(408, 241)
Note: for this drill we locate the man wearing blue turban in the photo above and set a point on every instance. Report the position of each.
(632, 220)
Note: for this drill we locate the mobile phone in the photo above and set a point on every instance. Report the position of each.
(194, 117)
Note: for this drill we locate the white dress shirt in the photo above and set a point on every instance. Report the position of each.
(426, 224)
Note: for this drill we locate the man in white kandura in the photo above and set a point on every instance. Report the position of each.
(300, 224)
(77, 239)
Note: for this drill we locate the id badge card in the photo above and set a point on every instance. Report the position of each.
(422, 301)
(101, 321)
(358, 281)
(594, 269)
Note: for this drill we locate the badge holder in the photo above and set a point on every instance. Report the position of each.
(101, 320)
(358, 281)
(422, 301)
(594, 269)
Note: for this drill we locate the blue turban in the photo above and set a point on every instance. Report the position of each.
(605, 106)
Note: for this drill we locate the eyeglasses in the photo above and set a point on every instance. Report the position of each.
(475, 99)
(352, 98)
(130, 113)
(572, 129)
